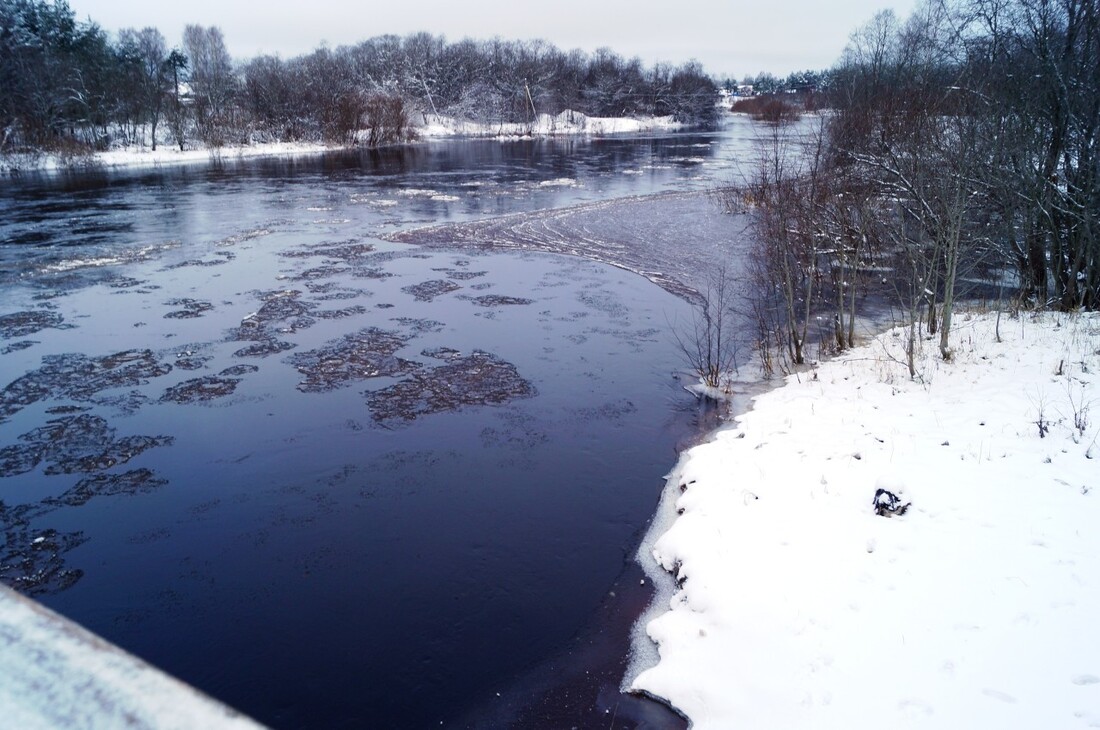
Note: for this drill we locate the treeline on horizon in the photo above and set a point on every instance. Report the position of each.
(68, 85)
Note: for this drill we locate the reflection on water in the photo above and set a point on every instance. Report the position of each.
(331, 478)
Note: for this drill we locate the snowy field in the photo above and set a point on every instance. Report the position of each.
(801, 607)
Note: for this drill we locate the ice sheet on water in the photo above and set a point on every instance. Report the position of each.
(80, 377)
(221, 259)
(32, 558)
(189, 308)
(368, 353)
(206, 388)
(191, 357)
(476, 379)
(426, 291)
(21, 324)
(498, 300)
(80, 443)
(282, 312)
(460, 274)
(674, 240)
(347, 250)
(17, 346)
(441, 353)
(419, 326)
(326, 271)
(263, 348)
(135, 481)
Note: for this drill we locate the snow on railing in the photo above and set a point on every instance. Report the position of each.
(55, 674)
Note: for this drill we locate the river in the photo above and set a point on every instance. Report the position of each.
(362, 439)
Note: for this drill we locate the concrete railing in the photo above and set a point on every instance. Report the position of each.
(55, 674)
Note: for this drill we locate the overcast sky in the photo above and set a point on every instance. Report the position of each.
(729, 38)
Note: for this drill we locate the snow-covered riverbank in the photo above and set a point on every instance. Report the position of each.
(566, 124)
(800, 607)
(432, 126)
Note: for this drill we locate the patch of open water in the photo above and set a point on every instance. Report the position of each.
(331, 478)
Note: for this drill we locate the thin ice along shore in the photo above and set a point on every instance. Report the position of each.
(867, 550)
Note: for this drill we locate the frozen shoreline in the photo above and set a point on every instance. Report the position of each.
(566, 124)
(801, 607)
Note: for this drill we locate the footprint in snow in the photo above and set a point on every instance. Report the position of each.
(997, 695)
(914, 708)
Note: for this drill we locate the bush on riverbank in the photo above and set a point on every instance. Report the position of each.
(772, 109)
(946, 169)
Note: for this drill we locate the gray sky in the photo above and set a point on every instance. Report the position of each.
(736, 38)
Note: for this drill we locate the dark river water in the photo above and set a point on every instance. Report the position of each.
(257, 432)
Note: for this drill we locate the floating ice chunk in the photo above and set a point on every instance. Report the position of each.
(560, 182)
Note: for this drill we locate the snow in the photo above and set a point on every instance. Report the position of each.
(56, 674)
(800, 607)
(169, 155)
(568, 123)
(166, 154)
(560, 182)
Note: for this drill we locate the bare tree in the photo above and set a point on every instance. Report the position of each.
(788, 191)
(212, 81)
(910, 129)
(709, 344)
(385, 119)
(1057, 42)
(147, 54)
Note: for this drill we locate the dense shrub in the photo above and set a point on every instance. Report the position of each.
(772, 109)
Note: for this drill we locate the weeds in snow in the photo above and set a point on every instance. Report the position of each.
(1079, 406)
(1041, 420)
